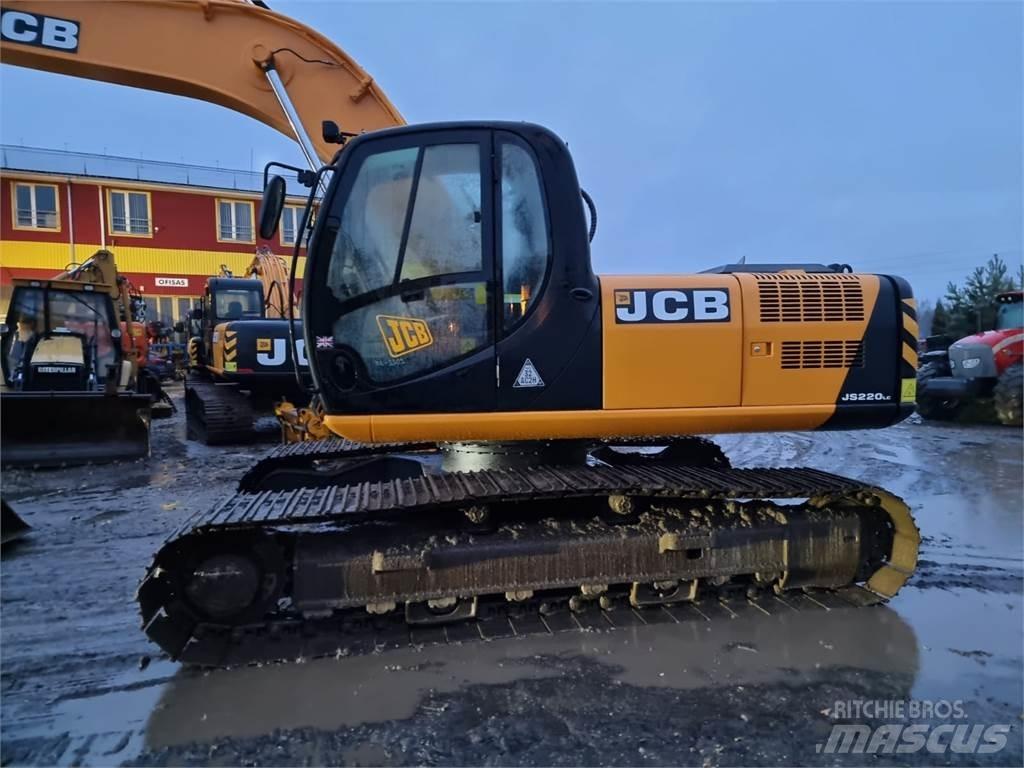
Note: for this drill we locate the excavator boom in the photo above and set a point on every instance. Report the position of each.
(235, 54)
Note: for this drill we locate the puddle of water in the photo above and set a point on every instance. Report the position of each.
(952, 627)
(985, 525)
(330, 693)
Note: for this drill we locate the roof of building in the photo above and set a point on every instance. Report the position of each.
(89, 164)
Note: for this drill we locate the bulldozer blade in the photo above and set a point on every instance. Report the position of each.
(63, 428)
(12, 527)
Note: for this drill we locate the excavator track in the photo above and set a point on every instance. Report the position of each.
(217, 414)
(285, 573)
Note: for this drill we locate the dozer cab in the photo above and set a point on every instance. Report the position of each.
(240, 359)
(66, 396)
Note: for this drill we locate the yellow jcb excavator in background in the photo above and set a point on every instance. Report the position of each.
(241, 364)
(496, 386)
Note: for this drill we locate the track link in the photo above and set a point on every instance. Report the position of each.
(468, 546)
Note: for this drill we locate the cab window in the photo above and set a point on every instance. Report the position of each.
(524, 234)
(407, 265)
(1011, 315)
(444, 233)
(366, 250)
(79, 314)
(238, 303)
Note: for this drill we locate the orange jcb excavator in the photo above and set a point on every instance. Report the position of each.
(498, 388)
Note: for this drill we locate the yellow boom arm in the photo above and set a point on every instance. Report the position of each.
(227, 52)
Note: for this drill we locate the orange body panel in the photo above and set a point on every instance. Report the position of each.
(541, 425)
(765, 380)
(671, 365)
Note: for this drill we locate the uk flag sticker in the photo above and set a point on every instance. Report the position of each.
(325, 342)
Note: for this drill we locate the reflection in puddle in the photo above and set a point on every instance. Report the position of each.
(330, 693)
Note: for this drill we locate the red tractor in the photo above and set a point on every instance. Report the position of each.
(987, 364)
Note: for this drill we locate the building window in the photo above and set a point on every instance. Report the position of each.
(234, 221)
(129, 213)
(36, 207)
(291, 220)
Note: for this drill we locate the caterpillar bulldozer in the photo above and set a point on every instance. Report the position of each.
(241, 364)
(76, 387)
(517, 439)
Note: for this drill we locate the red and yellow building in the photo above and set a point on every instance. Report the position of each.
(167, 237)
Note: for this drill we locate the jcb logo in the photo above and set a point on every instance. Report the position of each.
(40, 31)
(274, 352)
(685, 305)
(403, 335)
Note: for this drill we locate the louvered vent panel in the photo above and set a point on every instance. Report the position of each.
(822, 354)
(794, 298)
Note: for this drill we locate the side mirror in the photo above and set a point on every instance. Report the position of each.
(271, 206)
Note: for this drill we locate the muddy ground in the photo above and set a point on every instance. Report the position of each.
(753, 689)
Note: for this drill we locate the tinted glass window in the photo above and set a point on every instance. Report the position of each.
(365, 251)
(238, 303)
(397, 338)
(524, 233)
(70, 312)
(444, 235)
(1010, 316)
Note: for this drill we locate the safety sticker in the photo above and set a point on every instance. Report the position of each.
(908, 390)
(528, 377)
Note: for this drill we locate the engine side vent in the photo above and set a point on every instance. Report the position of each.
(795, 298)
(822, 354)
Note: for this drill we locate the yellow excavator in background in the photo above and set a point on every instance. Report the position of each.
(241, 361)
(488, 390)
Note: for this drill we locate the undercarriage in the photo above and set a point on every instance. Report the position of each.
(335, 539)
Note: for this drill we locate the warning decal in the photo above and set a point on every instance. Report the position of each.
(528, 377)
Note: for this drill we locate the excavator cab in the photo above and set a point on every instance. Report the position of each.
(64, 374)
(450, 273)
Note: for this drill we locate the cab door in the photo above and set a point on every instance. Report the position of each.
(548, 320)
(401, 303)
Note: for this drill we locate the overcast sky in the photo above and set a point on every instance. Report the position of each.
(886, 135)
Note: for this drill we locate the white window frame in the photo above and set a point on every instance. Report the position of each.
(124, 193)
(234, 238)
(297, 211)
(33, 208)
